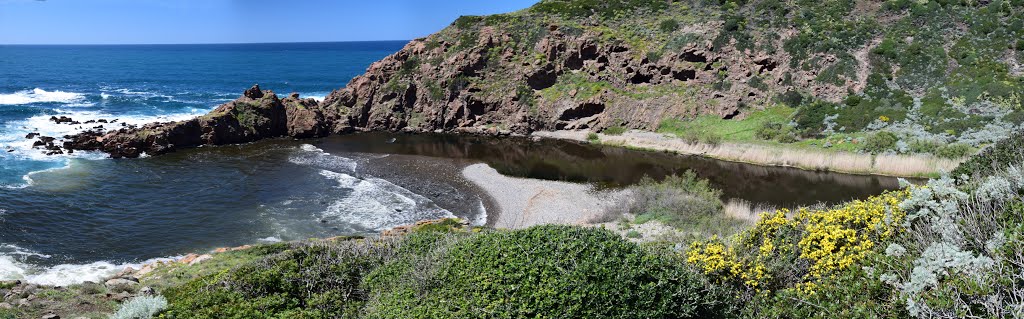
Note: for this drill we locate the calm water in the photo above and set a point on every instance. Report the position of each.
(69, 219)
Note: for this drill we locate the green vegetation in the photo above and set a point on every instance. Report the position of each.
(994, 158)
(685, 202)
(880, 142)
(88, 300)
(940, 250)
(615, 130)
(441, 272)
(746, 129)
(593, 138)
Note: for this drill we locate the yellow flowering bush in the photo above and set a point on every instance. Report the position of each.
(795, 250)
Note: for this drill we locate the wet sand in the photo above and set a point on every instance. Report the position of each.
(523, 202)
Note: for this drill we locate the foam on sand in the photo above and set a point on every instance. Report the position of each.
(377, 204)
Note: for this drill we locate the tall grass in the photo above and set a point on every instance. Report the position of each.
(893, 165)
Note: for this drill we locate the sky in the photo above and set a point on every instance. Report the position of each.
(232, 21)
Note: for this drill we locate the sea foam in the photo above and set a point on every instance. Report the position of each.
(14, 267)
(377, 204)
(38, 95)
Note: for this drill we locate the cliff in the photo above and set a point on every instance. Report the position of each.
(929, 71)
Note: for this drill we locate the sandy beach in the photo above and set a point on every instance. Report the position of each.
(523, 202)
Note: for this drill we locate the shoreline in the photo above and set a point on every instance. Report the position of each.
(906, 166)
(523, 202)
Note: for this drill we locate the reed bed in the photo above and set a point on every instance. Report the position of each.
(821, 160)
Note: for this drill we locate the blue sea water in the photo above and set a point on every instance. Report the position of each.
(142, 83)
(70, 218)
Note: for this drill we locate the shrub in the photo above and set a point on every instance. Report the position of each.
(144, 307)
(669, 25)
(994, 158)
(774, 130)
(960, 252)
(602, 8)
(812, 116)
(316, 280)
(447, 271)
(593, 138)
(701, 136)
(558, 271)
(880, 142)
(615, 130)
(799, 253)
(634, 234)
(791, 98)
(682, 201)
(953, 151)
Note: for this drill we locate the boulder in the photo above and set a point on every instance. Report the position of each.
(200, 259)
(254, 92)
(122, 284)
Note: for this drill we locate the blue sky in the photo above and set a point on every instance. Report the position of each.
(231, 21)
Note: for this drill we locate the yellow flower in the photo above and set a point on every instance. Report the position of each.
(830, 240)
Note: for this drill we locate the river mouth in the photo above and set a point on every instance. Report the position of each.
(123, 211)
(615, 167)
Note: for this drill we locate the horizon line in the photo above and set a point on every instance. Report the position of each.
(198, 43)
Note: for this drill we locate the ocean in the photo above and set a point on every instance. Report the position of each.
(70, 218)
(67, 219)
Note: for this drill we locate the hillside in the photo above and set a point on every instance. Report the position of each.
(931, 72)
(880, 77)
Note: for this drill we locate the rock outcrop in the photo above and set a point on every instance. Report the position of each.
(256, 115)
(591, 65)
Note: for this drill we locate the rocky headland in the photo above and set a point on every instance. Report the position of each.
(848, 71)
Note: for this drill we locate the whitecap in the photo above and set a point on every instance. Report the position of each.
(377, 204)
(15, 250)
(38, 95)
(14, 132)
(316, 157)
(270, 239)
(70, 274)
(13, 268)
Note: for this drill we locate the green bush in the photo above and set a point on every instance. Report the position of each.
(880, 142)
(791, 98)
(546, 271)
(602, 8)
(777, 131)
(593, 138)
(316, 280)
(994, 158)
(684, 201)
(701, 136)
(615, 130)
(954, 151)
(669, 25)
(446, 271)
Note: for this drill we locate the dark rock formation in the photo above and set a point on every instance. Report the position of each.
(255, 116)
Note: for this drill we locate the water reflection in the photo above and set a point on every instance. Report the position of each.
(615, 166)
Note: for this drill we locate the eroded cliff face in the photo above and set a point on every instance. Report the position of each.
(564, 81)
(843, 66)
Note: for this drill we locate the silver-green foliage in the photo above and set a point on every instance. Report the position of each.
(960, 257)
(143, 307)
